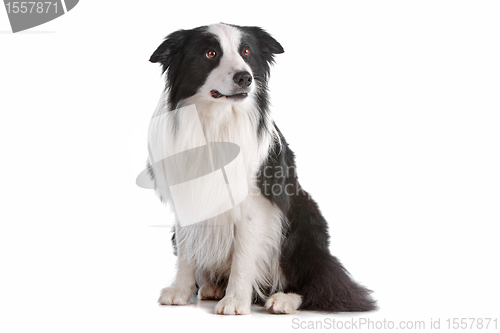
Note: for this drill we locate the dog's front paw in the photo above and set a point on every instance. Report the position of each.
(281, 303)
(232, 305)
(175, 296)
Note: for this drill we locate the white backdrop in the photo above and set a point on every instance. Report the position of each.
(392, 108)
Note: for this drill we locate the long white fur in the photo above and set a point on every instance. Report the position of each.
(245, 241)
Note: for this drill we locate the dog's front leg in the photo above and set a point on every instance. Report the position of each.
(238, 298)
(181, 291)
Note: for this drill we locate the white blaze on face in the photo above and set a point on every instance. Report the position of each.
(221, 78)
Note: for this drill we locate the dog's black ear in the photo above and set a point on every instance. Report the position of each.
(166, 51)
(266, 41)
(273, 45)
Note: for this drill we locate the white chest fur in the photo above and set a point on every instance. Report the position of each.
(208, 246)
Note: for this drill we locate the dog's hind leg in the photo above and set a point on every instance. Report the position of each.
(213, 290)
(281, 303)
(310, 269)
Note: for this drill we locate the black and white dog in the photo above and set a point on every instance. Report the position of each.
(273, 247)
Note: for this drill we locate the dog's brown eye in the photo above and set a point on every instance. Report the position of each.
(211, 54)
(246, 51)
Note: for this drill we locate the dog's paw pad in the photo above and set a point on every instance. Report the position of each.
(175, 296)
(209, 291)
(281, 303)
(233, 306)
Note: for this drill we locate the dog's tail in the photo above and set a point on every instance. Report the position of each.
(309, 268)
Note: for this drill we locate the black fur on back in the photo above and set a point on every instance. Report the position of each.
(309, 268)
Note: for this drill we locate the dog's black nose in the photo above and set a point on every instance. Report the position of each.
(243, 79)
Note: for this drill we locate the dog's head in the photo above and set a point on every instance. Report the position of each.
(218, 63)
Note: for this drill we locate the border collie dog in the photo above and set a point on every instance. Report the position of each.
(273, 247)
